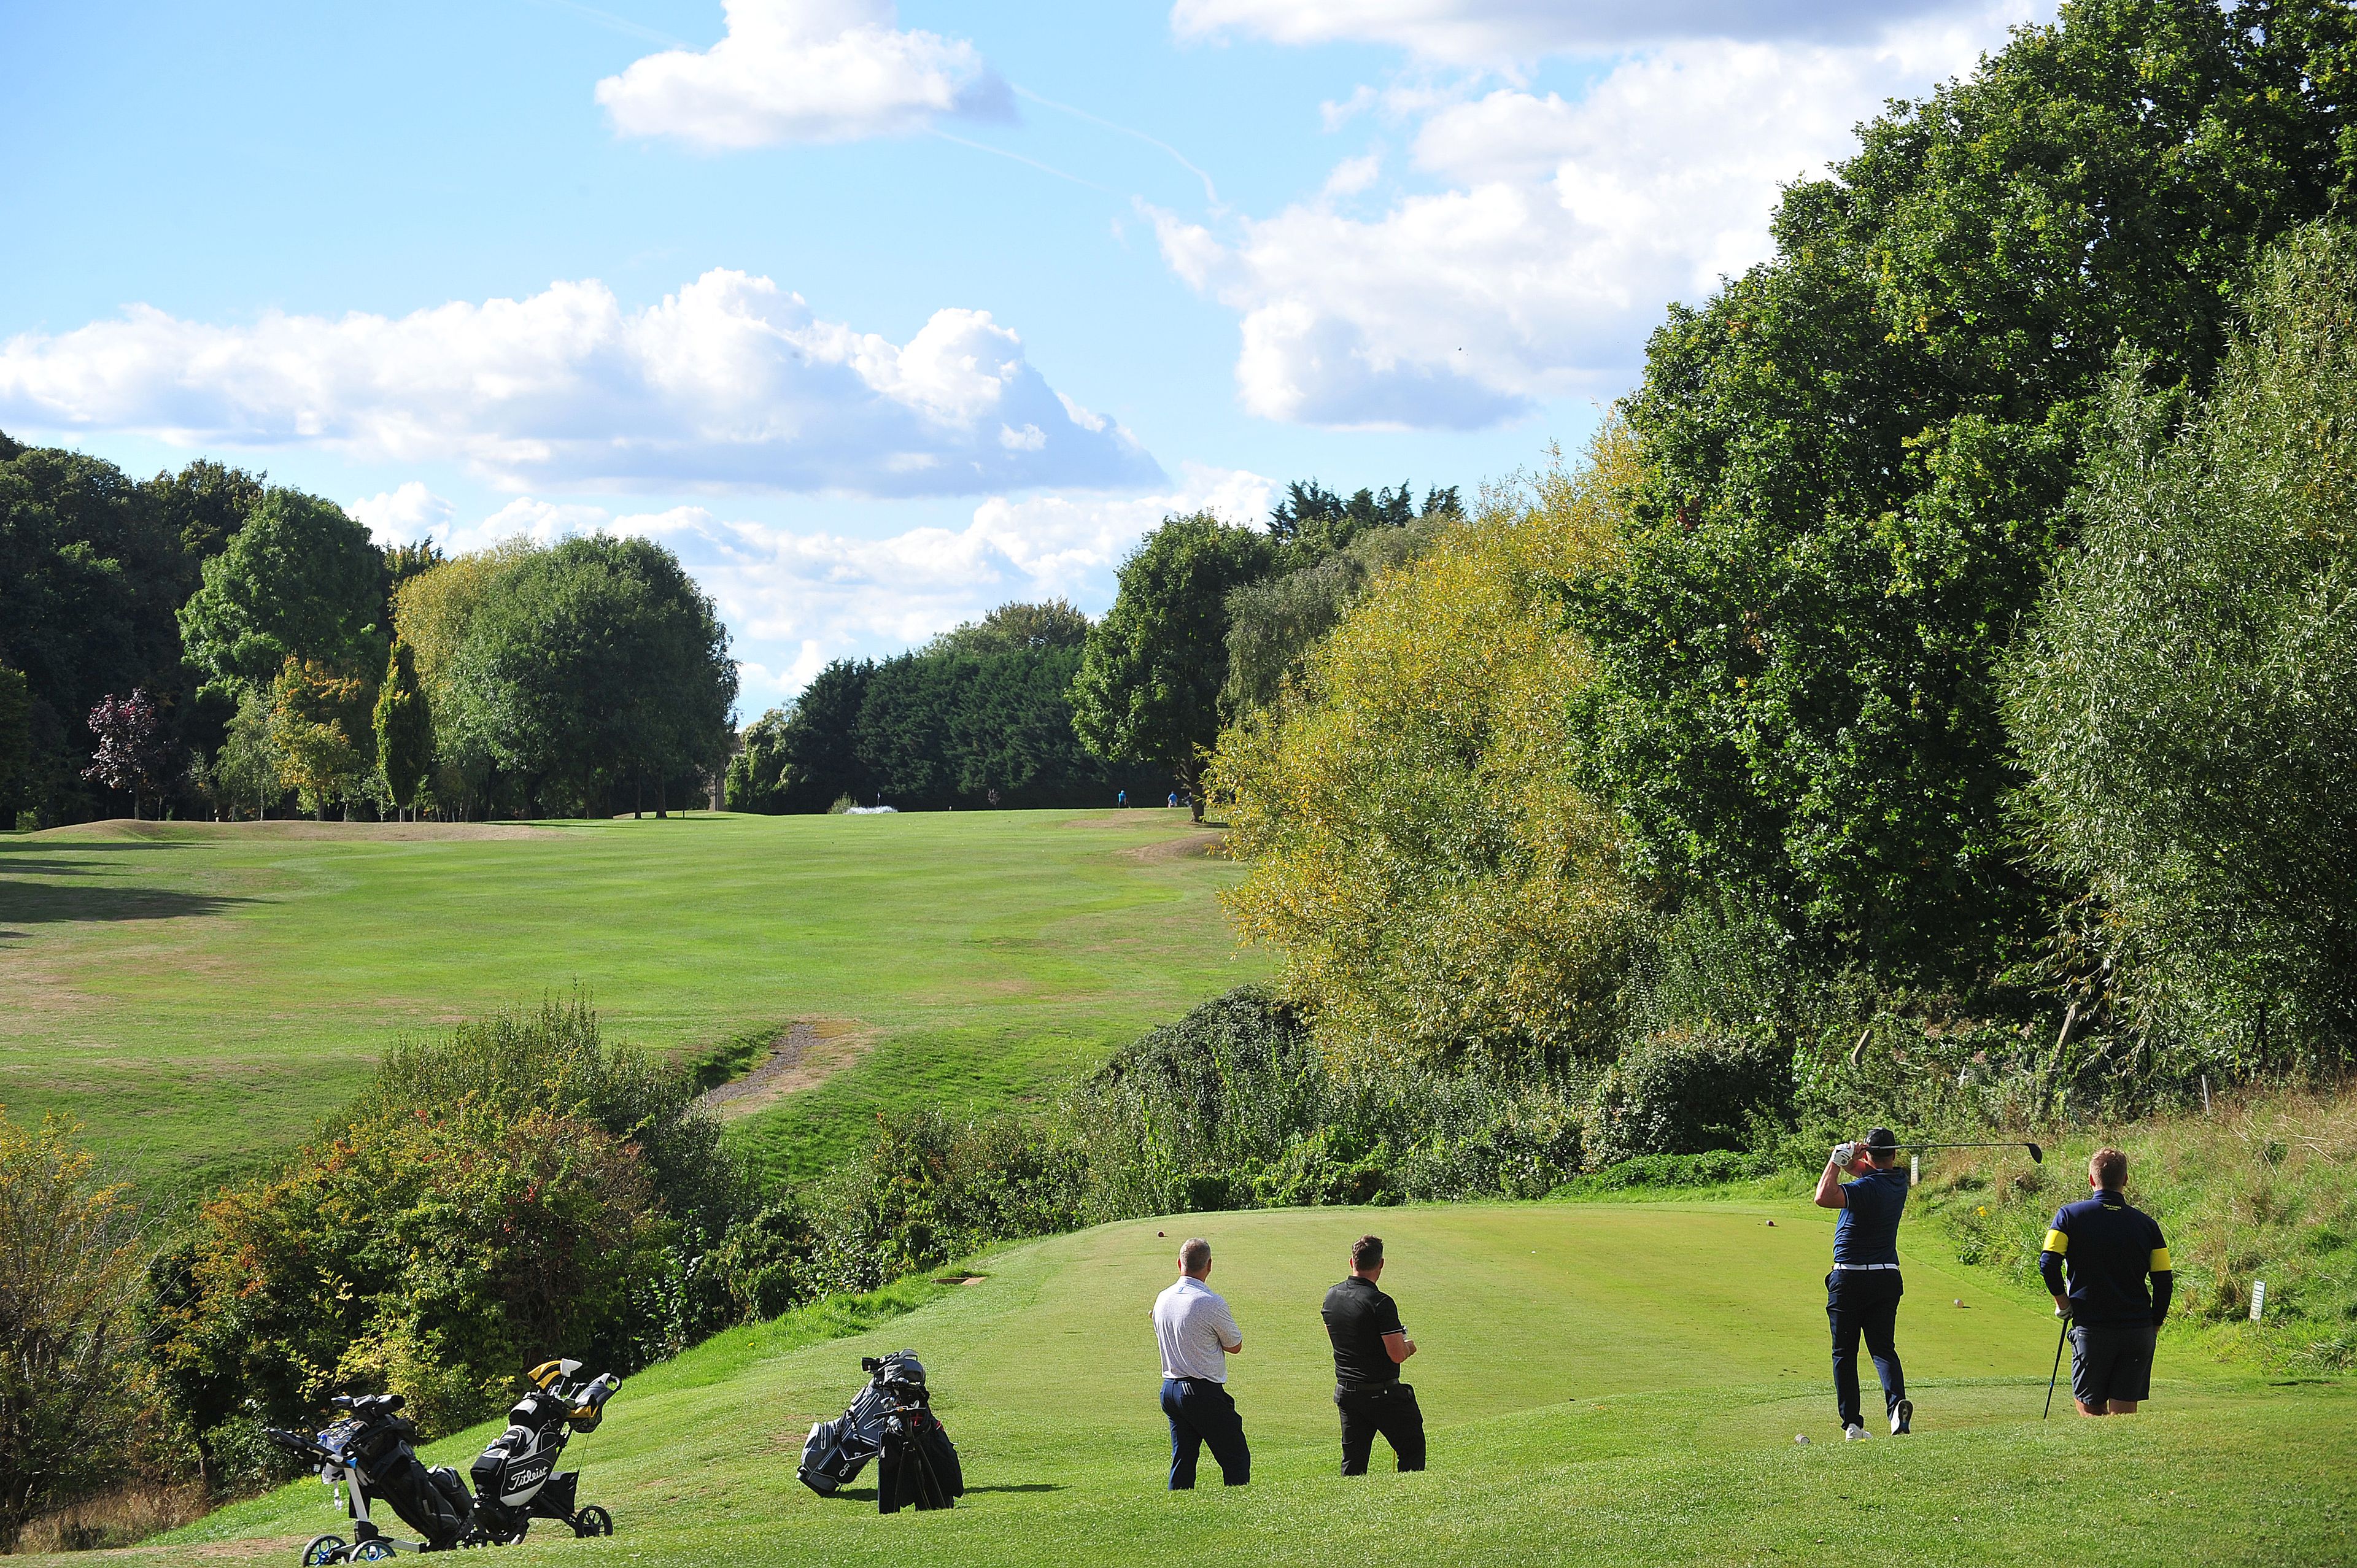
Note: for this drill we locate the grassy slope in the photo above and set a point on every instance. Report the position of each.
(197, 995)
(2260, 1187)
(1618, 1383)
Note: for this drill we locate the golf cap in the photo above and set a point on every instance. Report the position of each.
(1881, 1138)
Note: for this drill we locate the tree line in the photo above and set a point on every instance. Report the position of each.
(1033, 705)
(1936, 671)
(206, 643)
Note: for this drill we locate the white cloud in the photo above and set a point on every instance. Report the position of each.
(804, 70)
(729, 382)
(1563, 228)
(404, 515)
(1492, 32)
(1352, 176)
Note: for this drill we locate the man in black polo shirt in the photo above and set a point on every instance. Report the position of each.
(2109, 1247)
(1369, 1345)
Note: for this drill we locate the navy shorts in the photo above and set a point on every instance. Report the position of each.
(2111, 1361)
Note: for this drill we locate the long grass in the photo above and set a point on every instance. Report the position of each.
(2261, 1187)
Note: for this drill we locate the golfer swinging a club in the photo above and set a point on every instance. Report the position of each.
(1863, 1291)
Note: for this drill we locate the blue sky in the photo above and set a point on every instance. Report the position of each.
(883, 316)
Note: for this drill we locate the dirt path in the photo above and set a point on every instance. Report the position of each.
(806, 1055)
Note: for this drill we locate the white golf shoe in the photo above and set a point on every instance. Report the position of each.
(1853, 1433)
(1900, 1415)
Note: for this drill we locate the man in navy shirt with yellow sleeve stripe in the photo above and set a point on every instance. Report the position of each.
(2108, 1247)
(1863, 1291)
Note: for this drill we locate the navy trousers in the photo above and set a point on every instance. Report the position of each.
(1201, 1413)
(1865, 1304)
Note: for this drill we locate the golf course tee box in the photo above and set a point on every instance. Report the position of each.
(1605, 1383)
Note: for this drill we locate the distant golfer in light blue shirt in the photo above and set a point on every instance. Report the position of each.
(1197, 1334)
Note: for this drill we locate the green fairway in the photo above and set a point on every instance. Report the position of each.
(1605, 1383)
(200, 993)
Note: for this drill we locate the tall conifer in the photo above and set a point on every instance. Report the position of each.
(405, 729)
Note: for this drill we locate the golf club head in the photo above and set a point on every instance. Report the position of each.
(2037, 1154)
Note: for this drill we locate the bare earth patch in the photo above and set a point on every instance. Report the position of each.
(294, 829)
(806, 1056)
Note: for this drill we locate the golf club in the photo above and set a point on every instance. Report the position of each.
(2037, 1154)
(2057, 1372)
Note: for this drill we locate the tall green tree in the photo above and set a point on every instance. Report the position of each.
(405, 729)
(90, 577)
(2187, 705)
(204, 504)
(245, 772)
(1859, 451)
(319, 732)
(1147, 690)
(598, 667)
(300, 581)
(15, 741)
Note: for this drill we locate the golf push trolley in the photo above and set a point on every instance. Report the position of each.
(370, 1450)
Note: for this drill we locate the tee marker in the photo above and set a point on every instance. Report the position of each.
(2258, 1299)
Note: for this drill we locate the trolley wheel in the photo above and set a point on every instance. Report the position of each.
(372, 1551)
(324, 1551)
(593, 1520)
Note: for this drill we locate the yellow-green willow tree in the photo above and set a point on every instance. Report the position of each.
(1440, 889)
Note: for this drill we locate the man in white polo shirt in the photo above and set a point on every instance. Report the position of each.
(1197, 1333)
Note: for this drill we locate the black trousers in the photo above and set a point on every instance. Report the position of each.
(1389, 1409)
(1865, 1304)
(1201, 1412)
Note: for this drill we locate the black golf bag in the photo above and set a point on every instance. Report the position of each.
(891, 1421)
(516, 1480)
(372, 1450)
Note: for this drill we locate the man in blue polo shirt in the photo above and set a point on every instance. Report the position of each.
(2109, 1247)
(1863, 1291)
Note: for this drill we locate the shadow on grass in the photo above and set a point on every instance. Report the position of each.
(867, 1494)
(22, 861)
(39, 903)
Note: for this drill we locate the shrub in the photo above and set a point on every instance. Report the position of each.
(553, 1057)
(1712, 1168)
(1682, 1094)
(71, 1257)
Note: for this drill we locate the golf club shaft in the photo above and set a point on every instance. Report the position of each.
(2055, 1376)
(2037, 1154)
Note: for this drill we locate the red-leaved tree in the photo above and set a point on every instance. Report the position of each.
(130, 745)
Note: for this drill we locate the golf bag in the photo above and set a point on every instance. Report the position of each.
(891, 1421)
(372, 1450)
(516, 1480)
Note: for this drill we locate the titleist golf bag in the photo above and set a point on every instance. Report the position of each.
(891, 1421)
(516, 1480)
(370, 1449)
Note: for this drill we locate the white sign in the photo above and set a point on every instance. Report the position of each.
(1914, 1170)
(2258, 1299)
